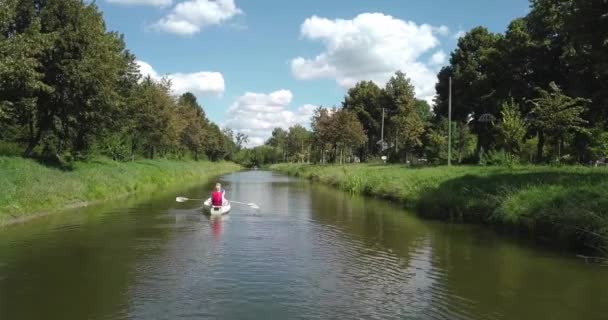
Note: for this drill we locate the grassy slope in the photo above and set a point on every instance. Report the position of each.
(27, 187)
(568, 205)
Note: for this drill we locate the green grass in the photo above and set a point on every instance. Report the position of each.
(564, 205)
(27, 187)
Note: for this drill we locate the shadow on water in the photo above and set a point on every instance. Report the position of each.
(461, 271)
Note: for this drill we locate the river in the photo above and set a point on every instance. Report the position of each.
(309, 252)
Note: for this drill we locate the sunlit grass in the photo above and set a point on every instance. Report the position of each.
(27, 187)
(564, 204)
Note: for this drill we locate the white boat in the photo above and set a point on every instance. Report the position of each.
(216, 210)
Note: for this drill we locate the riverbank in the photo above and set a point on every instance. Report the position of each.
(29, 189)
(567, 206)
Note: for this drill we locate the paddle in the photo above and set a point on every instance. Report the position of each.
(252, 205)
(184, 199)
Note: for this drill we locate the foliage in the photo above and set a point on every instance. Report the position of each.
(69, 89)
(28, 187)
(512, 128)
(555, 114)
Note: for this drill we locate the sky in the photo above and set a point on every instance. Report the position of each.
(257, 65)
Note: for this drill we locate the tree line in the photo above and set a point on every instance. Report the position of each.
(70, 89)
(536, 93)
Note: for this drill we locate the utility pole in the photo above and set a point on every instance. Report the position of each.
(450, 125)
(382, 133)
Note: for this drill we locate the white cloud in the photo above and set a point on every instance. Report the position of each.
(189, 17)
(459, 34)
(257, 114)
(203, 82)
(438, 58)
(372, 46)
(442, 30)
(156, 3)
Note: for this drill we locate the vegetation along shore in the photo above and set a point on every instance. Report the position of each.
(28, 188)
(563, 205)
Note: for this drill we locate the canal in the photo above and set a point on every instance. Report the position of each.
(308, 252)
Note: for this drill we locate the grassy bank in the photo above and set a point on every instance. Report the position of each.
(564, 205)
(28, 188)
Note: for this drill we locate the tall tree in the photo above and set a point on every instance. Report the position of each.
(152, 109)
(555, 114)
(72, 92)
(365, 99)
(473, 90)
(240, 140)
(298, 143)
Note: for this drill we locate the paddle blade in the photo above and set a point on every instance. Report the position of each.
(181, 199)
(253, 205)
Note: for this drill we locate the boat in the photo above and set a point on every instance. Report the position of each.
(216, 210)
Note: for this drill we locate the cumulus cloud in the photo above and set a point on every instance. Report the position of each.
(438, 58)
(156, 3)
(442, 30)
(257, 114)
(372, 46)
(203, 82)
(459, 34)
(189, 17)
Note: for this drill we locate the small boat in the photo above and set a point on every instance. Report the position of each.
(216, 210)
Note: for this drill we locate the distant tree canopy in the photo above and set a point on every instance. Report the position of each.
(70, 88)
(537, 92)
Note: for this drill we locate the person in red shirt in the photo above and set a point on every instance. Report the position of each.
(218, 196)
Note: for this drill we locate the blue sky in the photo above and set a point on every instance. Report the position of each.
(255, 65)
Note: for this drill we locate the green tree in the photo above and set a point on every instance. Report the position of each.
(423, 109)
(472, 67)
(152, 110)
(400, 95)
(324, 134)
(365, 99)
(349, 133)
(193, 128)
(69, 73)
(555, 114)
(436, 141)
(298, 143)
(240, 140)
(409, 130)
(512, 128)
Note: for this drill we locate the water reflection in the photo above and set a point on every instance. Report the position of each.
(308, 252)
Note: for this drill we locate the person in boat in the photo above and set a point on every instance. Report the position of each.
(218, 196)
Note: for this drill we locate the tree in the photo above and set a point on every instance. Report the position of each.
(69, 69)
(436, 141)
(324, 134)
(365, 99)
(298, 143)
(553, 114)
(409, 129)
(349, 132)
(473, 66)
(423, 109)
(512, 128)
(240, 140)
(152, 112)
(400, 95)
(193, 131)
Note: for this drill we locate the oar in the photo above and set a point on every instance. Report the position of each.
(251, 204)
(184, 199)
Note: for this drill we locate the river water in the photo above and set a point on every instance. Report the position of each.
(309, 252)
